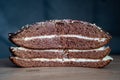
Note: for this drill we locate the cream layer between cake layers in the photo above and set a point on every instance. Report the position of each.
(67, 35)
(66, 59)
(59, 50)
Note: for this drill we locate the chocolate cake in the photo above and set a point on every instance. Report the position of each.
(60, 43)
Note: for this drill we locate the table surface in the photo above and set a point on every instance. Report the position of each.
(9, 71)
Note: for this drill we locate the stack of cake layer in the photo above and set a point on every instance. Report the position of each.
(57, 43)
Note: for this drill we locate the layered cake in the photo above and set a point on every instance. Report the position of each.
(55, 43)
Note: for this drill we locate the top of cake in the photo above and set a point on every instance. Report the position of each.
(62, 27)
(62, 34)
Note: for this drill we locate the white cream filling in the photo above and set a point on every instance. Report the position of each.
(59, 50)
(67, 60)
(98, 49)
(25, 49)
(107, 58)
(68, 35)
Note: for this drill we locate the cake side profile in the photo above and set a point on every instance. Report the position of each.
(60, 43)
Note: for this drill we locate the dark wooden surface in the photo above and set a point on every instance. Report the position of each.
(9, 71)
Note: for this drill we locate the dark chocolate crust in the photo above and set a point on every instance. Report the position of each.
(28, 64)
(31, 53)
(60, 27)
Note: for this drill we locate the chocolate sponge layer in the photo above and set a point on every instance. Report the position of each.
(31, 63)
(60, 53)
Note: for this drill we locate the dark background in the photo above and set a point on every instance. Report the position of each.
(16, 13)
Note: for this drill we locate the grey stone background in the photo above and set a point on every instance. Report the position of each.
(16, 13)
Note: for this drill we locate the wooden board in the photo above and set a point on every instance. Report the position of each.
(9, 71)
